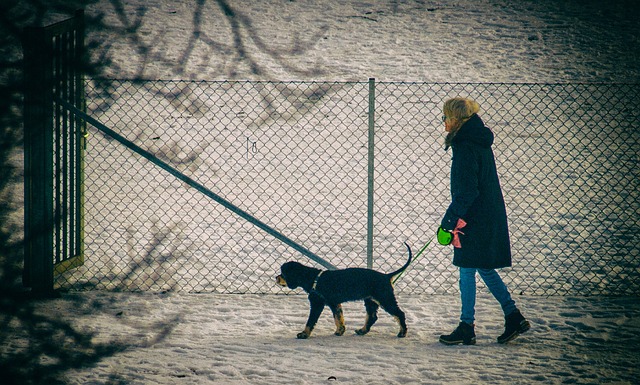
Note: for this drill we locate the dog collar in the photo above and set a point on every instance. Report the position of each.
(315, 281)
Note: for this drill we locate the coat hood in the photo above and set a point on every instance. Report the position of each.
(474, 131)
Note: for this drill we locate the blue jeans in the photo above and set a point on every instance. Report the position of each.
(468, 292)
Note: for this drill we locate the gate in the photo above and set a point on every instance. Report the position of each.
(53, 151)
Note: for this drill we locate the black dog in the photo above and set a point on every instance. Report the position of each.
(333, 287)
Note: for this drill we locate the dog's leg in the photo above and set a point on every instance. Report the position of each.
(317, 305)
(403, 324)
(372, 316)
(338, 317)
(391, 307)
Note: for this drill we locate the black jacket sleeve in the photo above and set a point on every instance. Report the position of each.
(464, 185)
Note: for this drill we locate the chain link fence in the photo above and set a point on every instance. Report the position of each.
(295, 155)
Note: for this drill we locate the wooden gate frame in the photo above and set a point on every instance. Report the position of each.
(53, 151)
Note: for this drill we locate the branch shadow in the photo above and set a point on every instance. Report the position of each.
(37, 348)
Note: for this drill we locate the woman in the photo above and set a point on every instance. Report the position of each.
(476, 220)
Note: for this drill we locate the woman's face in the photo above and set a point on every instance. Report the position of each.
(447, 125)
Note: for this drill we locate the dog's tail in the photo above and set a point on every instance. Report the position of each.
(403, 268)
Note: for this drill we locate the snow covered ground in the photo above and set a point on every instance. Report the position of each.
(180, 338)
(250, 339)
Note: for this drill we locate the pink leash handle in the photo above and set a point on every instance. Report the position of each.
(456, 238)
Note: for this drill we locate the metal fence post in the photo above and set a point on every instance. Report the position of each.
(370, 171)
(38, 148)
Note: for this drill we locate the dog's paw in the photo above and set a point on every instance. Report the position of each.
(340, 331)
(362, 331)
(306, 333)
(402, 334)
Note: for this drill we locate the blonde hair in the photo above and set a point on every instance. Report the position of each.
(457, 111)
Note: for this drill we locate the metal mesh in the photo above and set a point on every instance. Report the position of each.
(295, 156)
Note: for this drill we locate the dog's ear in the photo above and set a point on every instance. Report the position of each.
(290, 271)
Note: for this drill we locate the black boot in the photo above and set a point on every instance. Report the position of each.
(514, 325)
(464, 334)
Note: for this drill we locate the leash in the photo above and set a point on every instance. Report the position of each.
(414, 259)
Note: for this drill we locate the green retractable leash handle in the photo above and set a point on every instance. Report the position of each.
(444, 237)
(414, 259)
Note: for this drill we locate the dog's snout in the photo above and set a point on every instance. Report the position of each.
(281, 281)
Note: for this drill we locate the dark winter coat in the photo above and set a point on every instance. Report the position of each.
(477, 199)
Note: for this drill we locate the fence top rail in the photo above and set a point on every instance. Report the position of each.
(316, 81)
